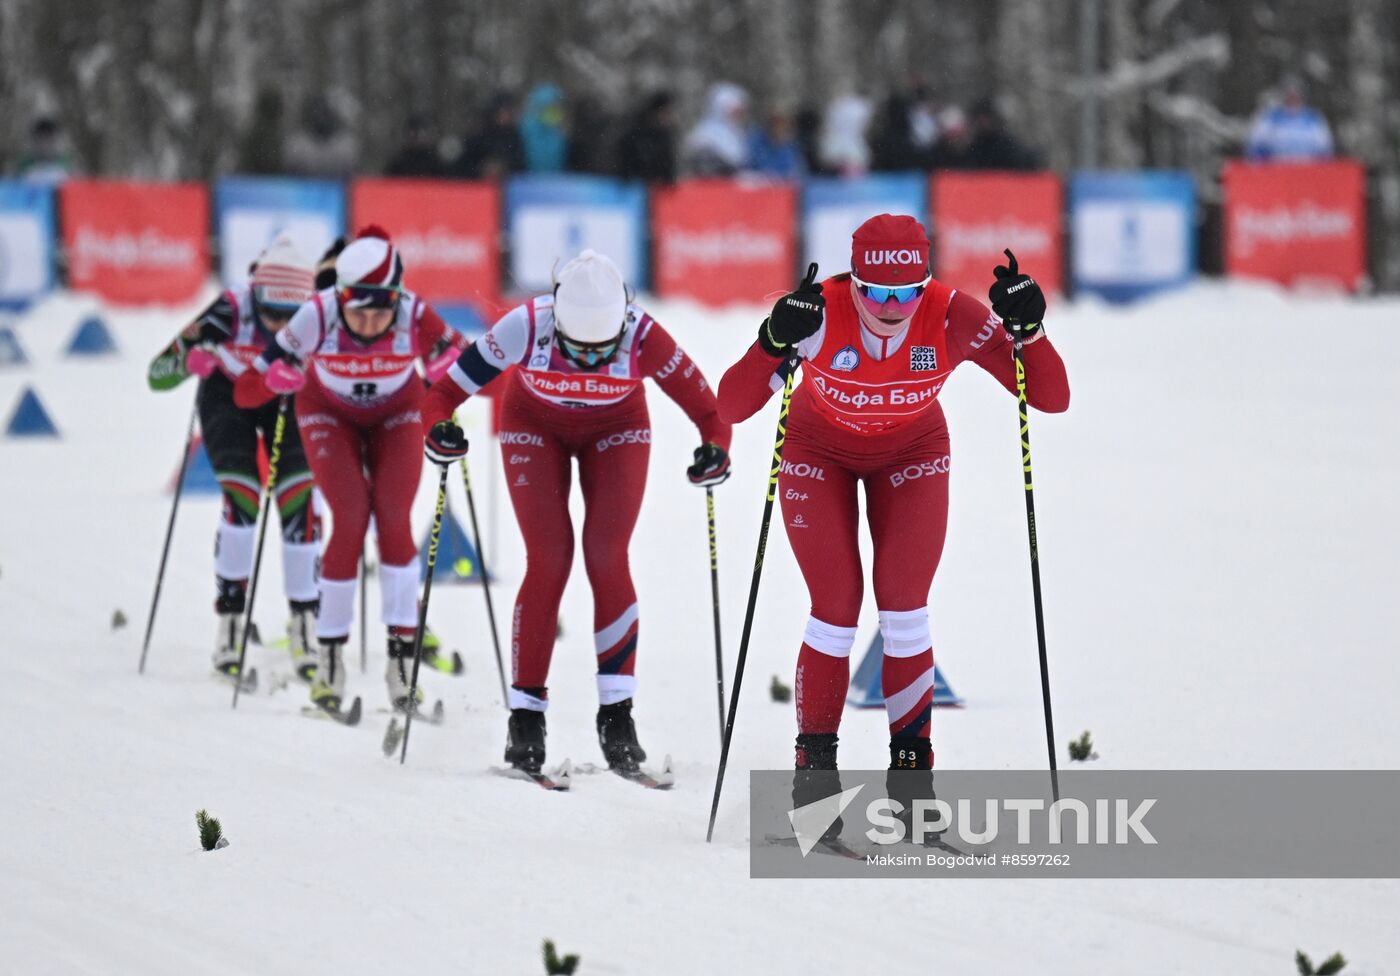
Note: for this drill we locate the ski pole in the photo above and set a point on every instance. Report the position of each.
(169, 533)
(423, 612)
(485, 577)
(364, 613)
(266, 504)
(790, 369)
(714, 598)
(1035, 554)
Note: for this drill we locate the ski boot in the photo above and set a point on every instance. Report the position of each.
(227, 639)
(618, 737)
(815, 777)
(328, 687)
(910, 778)
(300, 628)
(525, 739)
(398, 674)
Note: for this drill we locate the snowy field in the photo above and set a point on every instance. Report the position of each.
(1218, 536)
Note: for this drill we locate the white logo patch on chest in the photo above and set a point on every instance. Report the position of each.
(923, 359)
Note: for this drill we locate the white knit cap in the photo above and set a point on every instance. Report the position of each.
(282, 277)
(590, 299)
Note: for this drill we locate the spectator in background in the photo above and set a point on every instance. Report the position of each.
(953, 148)
(774, 150)
(892, 145)
(844, 149)
(419, 156)
(992, 146)
(494, 149)
(542, 130)
(719, 143)
(46, 160)
(647, 148)
(260, 151)
(923, 120)
(592, 133)
(323, 146)
(809, 134)
(1290, 131)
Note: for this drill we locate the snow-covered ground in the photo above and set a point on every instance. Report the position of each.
(1218, 535)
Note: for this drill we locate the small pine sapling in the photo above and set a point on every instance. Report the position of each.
(1082, 748)
(779, 691)
(211, 832)
(1331, 965)
(554, 965)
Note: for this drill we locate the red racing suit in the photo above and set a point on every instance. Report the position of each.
(361, 423)
(866, 410)
(553, 412)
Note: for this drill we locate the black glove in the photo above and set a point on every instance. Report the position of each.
(711, 466)
(1017, 300)
(325, 268)
(445, 443)
(796, 316)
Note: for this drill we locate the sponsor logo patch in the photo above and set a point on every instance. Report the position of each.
(846, 360)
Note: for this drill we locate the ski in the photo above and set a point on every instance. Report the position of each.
(350, 717)
(434, 716)
(393, 735)
(835, 847)
(447, 665)
(663, 779)
(559, 780)
(248, 685)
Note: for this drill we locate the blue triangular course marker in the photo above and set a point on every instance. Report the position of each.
(199, 473)
(30, 419)
(865, 686)
(91, 339)
(11, 352)
(457, 561)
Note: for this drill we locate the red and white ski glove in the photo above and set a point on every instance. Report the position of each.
(201, 362)
(283, 378)
(437, 368)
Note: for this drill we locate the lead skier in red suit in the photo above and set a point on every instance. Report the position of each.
(582, 353)
(876, 346)
(350, 354)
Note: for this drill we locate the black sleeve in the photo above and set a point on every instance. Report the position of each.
(216, 323)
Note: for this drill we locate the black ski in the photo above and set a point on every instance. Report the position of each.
(558, 781)
(663, 779)
(344, 717)
(835, 847)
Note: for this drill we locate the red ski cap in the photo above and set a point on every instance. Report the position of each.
(890, 249)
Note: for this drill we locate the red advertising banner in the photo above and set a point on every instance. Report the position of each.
(136, 243)
(446, 230)
(1296, 223)
(978, 215)
(719, 241)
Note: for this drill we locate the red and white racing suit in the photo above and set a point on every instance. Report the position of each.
(362, 427)
(553, 412)
(866, 410)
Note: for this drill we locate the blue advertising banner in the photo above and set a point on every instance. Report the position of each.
(833, 208)
(27, 248)
(551, 218)
(251, 210)
(1132, 233)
